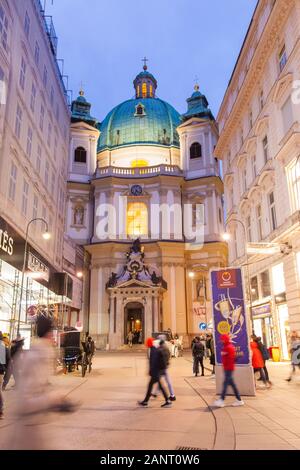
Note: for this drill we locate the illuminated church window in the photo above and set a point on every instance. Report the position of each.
(137, 219)
(139, 163)
(151, 91)
(144, 90)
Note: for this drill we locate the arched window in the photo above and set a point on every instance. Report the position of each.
(80, 155)
(144, 90)
(137, 219)
(195, 150)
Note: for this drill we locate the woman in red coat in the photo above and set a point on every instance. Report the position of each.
(257, 360)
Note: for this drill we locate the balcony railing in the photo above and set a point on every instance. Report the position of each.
(143, 172)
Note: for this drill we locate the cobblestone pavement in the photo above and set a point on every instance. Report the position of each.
(109, 417)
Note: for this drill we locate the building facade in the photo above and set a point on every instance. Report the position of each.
(259, 145)
(34, 148)
(145, 199)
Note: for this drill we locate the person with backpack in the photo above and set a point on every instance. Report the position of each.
(228, 361)
(266, 356)
(198, 355)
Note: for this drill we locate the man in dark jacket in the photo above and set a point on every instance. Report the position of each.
(198, 354)
(157, 364)
(4, 361)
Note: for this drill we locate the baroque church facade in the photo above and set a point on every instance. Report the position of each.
(145, 200)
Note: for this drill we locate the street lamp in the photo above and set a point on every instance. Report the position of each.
(46, 235)
(226, 237)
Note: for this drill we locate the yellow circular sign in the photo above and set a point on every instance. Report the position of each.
(223, 328)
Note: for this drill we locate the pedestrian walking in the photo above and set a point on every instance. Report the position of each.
(35, 396)
(257, 360)
(4, 361)
(198, 355)
(157, 365)
(130, 337)
(228, 362)
(295, 354)
(165, 373)
(266, 356)
(14, 362)
(211, 347)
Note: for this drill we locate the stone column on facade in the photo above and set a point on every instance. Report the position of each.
(155, 311)
(173, 298)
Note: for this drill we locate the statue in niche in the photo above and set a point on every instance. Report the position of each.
(78, 215)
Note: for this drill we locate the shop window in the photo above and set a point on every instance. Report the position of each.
(137, 219)
(80, 155)
(195, 150)
(265, 284)
(254, 289)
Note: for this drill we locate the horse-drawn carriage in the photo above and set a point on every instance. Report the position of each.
(74, 353)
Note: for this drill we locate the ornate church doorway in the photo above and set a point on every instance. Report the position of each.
(134, 322)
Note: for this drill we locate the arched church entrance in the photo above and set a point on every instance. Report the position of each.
(134, 318)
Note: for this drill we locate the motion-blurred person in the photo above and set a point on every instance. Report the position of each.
(35, 397)
(4, 361)
(295, 354)
(130, 337)
(15, 361)
(257, 360)
(198, 355)
(228, 362)
(211, 347)
(157, 365)
(266, 356)
(165, 373)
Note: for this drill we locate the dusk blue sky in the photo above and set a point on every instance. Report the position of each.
(103, 41)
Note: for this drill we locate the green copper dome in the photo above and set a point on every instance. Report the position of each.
(140, 121)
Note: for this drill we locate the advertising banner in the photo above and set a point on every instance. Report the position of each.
(229, 313)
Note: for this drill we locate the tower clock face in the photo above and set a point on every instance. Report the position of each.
(136, 190)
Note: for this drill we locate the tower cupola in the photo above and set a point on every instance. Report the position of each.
(145, 83)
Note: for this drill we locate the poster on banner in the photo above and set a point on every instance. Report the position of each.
(199, 315)
(229, 313)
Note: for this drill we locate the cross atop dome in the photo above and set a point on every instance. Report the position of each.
(196, 86)
(145, 60)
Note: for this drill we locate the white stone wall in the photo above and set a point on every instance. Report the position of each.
(51, 195)
(240, 140)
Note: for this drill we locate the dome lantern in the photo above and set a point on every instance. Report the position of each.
(145, 84)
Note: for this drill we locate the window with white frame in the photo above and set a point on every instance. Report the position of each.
(25, 197)
(254, 168)
(52, 95)
(29, 142)
(261, 100)
(44, 212)
(27, 24)
(272, 209)
(37, 53)
(12, 182)
(287, 115)
(49, 134)
(244, 178)
(3, 29)
(282, 58)
(33, 97)
(35, 206)
(38, 159)
(293, 174)
(22, 73)
(18, 123)
(45, 76)
(265, 144)
(248, 228)
(278, 280)
(259, 222)
(46, 174)
(42, 117)
(53, 184)
(250, 120)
